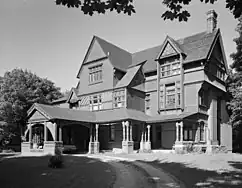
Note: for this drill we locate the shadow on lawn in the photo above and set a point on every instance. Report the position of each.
(194, 177)
(34, 172)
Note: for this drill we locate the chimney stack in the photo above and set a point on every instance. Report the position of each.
(211, 21)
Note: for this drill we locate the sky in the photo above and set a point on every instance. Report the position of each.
(52, 40)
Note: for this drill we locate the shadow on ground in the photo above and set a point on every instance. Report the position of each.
(194, 177)
(76, 172)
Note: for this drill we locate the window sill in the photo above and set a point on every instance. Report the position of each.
(170, 108)
(93, 83)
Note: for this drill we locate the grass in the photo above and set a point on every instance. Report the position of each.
(198, 170)
(34, 172)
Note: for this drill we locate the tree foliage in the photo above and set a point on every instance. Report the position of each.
(19, 89)
(235, 81)
(175, 7)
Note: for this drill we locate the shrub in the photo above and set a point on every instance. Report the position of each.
(56, 161)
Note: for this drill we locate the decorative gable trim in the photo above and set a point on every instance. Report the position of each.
(72, 95)
(218, 38)
(35, 107)
(94, 39)
(169, 48)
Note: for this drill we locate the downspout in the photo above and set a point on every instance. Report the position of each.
(158, 87)
(182, 82)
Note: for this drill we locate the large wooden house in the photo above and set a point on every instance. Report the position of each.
(166, 97)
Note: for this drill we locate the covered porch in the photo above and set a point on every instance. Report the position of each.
(52, 128)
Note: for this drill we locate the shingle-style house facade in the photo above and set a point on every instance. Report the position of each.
(164, 97)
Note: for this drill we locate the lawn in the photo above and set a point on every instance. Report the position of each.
(34, 172)
(198, 170)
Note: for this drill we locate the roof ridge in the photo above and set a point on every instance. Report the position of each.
(110, 43)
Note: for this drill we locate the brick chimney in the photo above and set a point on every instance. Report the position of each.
(211, 21)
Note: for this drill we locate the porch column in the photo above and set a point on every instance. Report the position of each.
(131, 137)
(123, 123)
(45, 132)
(91, 133)
(60, 133)
(145, 139)
(30, 132)
(97, 132)
(55, 127)
(177, 131)
(127, 129)
(181, 124)
(148, 139)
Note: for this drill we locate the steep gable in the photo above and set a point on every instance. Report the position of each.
(72, 98)
(95, 52)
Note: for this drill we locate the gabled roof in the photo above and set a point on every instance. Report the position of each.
(53, 112)
(128, 77)
(196, 47)
(119, 58)
(174, 45)
(73, 91)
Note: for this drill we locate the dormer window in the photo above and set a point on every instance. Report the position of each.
(170, 67)
(95, 74)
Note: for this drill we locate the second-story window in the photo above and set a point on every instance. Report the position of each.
(95, 102)
(170, 96)
(169, 68)
(118, 98)
(95, 74)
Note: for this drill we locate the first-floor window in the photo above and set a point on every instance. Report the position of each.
(112, 133)
(187, 134)
(202, 131)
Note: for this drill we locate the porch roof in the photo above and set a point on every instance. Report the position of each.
(169, 117)
(105, 116)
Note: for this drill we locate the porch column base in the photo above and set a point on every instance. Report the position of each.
(53, 147)
(141, 146)
(93, 147)
(180, 148)
(25, 148)
(127, 146)
(148, 146)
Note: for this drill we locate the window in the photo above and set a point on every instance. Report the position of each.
(170, 96)
(118, 98)
(188, 134)
(96, 102)
(170, 68)
(147, 101)
(220, 74)
(95, 74)
(112, 133)
(202, 135)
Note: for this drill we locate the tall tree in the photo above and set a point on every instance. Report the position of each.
(19, 89)
(175, 7)
(235, 87)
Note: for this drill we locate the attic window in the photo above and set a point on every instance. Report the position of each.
(95, 74)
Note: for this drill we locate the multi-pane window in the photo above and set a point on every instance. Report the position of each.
(95, 74)
(187, 134)
(119, 98)
(95, 102)
(147, 101)
(170, 68)
(202, 131)
(111, 132)
(170, 96)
